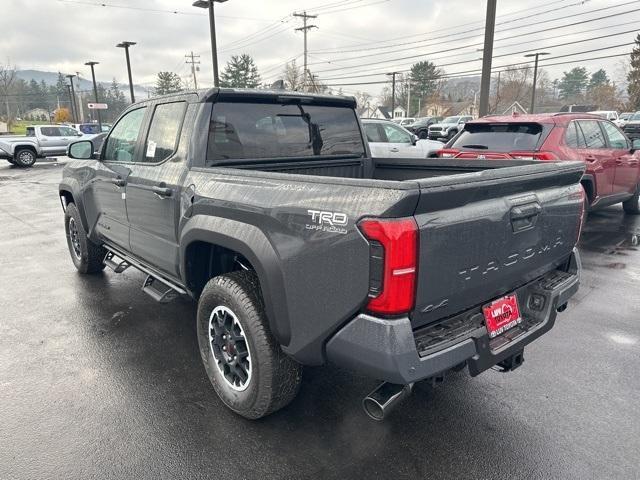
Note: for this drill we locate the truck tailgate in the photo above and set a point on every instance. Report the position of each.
(484, 234)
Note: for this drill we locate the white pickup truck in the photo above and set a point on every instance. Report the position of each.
(40, 141)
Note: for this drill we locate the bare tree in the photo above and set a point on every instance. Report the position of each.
(8, 74)
(515, 86)
(293, 78)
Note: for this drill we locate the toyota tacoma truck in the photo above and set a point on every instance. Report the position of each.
(40, 141)
(302, 249)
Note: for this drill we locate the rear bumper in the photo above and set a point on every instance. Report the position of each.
(390, 350)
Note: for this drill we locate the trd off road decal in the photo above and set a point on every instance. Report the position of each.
(331, 222)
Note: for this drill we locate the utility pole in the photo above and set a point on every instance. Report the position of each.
(393, 91)
(487, 56)
(74, 109)
(95, 90)
(191, 58)
(304, 29)
(408, 97)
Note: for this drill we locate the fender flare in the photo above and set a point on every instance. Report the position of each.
(251, 242)
(589, 180)
(36, 147)
(71, 185)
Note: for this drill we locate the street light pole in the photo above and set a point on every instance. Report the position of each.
(126, 46)
(535, 78)
(74, 109)
(208, 4)
(95, 90)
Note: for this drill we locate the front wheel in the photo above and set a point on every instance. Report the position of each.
(451, 134)
(423, 134)
(246, 366)
(632, 205)
(24, 157)
(86, 256)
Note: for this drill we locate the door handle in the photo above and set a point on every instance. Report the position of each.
(162, 191)
(590, 158)
(118, 182)
(394, 150)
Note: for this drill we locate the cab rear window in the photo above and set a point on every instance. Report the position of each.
(500, 137)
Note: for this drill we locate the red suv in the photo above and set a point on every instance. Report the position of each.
(613, 166)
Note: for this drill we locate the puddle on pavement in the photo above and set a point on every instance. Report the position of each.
(612, 234)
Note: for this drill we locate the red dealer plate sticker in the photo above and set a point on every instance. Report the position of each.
(501, 315)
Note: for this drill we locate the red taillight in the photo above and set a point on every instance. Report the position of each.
(533, 155)
(399, 241)
(447, 152)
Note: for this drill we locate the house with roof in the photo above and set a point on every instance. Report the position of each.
(447, 109)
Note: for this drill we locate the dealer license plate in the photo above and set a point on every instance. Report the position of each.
(502, 315)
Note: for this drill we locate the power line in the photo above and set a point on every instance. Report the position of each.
(512, 53)
(540, 22)
(304, 29)
(440, 51)
(510, 67)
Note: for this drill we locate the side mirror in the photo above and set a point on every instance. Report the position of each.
(635, 145)
(82, 150)
(79, 134)
(414, 139)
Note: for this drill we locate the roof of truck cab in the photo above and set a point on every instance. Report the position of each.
(548, 118)
(213, 94)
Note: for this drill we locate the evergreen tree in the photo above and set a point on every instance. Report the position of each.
(240, 72)
(424, 79)
(167, 82)
(599, 78)
(633, 77)
(573, 83)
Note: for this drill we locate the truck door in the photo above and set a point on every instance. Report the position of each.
(399, 142)
(154, 190)
(50, 140)
(626, 176)
(109, 186)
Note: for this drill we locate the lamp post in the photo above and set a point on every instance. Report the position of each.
(74, 110)
(208, 4)
(95, 90)
(535, 78)
(126, 46)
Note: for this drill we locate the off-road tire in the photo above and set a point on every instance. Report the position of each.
(275, 377)
(24, 157)
(423, 134)
(632, 205)
(90, 257)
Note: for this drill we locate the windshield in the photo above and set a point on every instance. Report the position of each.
(451, 120)
(265, 130)
(499, 137)
(635, 116)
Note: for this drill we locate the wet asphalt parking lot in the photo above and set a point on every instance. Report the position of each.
(99, 381)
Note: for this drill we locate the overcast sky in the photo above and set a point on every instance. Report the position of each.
(60, 35)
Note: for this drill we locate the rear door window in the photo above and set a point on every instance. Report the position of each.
(500, 137)
(265, 130)
(593, 136)
(163, 134)
(50, 131)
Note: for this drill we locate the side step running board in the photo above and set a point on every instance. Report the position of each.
(117, 267)
(160, 293)
(156, 286)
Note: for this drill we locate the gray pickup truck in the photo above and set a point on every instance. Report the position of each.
(301, 249)
(40, 141)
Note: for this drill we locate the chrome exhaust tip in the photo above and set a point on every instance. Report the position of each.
(384, 398)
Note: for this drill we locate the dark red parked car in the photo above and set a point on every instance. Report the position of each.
(613, 163)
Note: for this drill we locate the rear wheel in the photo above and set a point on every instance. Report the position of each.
(243, 361)
(86, 256)
(24, 157)
(632, 205)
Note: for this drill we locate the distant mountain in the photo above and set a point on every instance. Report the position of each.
(83, 84)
